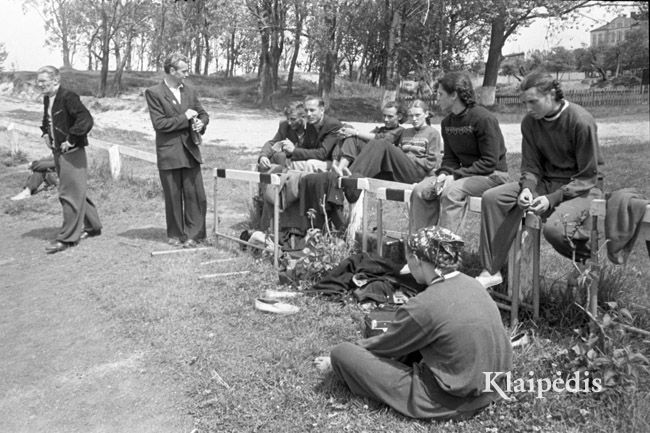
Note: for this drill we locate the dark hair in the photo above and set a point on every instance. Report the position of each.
(173, 60)
(321, 103)
(399, 108)
(544, 83)
(461, 83)
(293, 107)
(51, 71)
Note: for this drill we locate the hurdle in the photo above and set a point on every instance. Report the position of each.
(530, 228)
(252, 177)
(597, 210)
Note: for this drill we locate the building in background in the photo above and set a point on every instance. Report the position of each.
(614, 31)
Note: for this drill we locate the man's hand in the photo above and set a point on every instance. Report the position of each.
(264, 163)
(48, 141)
(347, 132)
(540, 205)
(65, 146)
(288, 146)
(190, 114)
(441, 183)
(525, 199)
(198, 125)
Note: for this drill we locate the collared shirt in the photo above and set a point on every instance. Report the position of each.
(176, 91)
(49, 111)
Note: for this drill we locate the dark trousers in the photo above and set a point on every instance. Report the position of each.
(185, 203)
(79, 212)
(500, 218)
(404, 388)
(381, 159)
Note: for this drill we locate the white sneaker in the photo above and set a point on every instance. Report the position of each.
(488, 280)
(405, 270)
(26, 193)
(279, 294)
(273, 306)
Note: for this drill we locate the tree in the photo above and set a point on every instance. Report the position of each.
(3, 55)
(592, 59)
(271, 22)
(559, 60)
(505, 18)
(62, 23)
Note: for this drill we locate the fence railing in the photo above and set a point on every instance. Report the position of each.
(591, 97)
(587, 98)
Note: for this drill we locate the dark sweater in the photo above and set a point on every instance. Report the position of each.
(457, 329)
(563, 150)
(473, 144)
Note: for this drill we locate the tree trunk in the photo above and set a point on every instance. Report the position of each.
(105, 51)
(197, 61)
(327, 73)
(208, 54)
(296, 47)
(497, 39)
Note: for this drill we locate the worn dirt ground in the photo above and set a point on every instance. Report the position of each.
(66, 365)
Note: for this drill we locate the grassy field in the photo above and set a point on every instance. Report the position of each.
(243, 370)
(248, 371)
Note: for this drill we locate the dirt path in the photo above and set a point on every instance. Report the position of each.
(65, 364)
(249, 129)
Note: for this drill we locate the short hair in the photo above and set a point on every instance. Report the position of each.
(399, 108)
(172, 61)
(461, 83)
(293, 107)
(51, 71)
(321, 102)
(419, 103)
(543, 82)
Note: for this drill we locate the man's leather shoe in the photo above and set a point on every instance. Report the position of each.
(190, 243)
(57, 246)
(174, 242)
(90, 234)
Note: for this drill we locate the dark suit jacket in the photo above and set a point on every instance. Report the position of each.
(174, 145)
(284, 132)
(71, 120)
(319, 144)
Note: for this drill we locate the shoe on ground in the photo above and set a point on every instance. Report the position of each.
(26, 193)
(57, 246)
(90, 234)
(488, 280)
(273, 306)
(405, 270)
(174, 242)
(190, 243)
(279, 294)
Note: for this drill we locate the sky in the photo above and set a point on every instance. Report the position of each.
(24, 36)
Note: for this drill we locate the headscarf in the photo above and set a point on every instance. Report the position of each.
(438, 246)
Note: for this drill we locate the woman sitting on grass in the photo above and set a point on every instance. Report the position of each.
(453, 328)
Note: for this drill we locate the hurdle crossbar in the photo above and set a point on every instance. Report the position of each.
(252, 176)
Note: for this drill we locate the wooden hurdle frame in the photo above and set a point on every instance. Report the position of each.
(530, 227)
(252, 177)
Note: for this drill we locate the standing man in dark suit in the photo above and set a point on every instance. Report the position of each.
(179, 121)
(66, 123)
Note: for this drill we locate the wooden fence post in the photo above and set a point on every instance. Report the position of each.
(115, 161)
(13, 140)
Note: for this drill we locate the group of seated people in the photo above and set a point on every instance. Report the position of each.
(559, 168)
